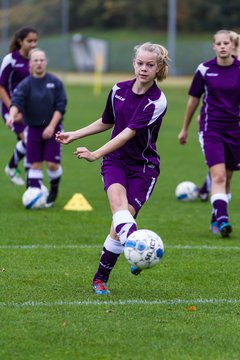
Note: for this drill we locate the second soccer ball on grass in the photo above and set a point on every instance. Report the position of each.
(186, 191)
(35, 198)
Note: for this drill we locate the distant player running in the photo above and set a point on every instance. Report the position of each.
(205, 189)
(218, 81)
(15, 68)
(130, 165)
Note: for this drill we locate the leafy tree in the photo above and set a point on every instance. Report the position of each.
(192, 15)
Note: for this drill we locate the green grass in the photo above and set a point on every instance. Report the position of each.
(48, 258)
(142, 34)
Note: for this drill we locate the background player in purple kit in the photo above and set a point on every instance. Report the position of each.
(130, 165)
(15, 68)
(43, 121)
(218, 81)
(205, 189)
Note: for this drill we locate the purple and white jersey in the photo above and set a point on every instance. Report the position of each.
(14, 69)
(143, 113)
(220, 85)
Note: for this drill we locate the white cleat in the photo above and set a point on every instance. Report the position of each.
(14, 175)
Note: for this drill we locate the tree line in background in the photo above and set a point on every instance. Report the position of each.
(193, 16)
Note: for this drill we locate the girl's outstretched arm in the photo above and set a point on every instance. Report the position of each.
(113, 144)
(94, 128)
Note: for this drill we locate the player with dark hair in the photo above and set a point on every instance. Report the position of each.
(218, 81)
(15, 68)
(41, 99)
(130, 165)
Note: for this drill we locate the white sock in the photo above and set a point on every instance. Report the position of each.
(113, 245)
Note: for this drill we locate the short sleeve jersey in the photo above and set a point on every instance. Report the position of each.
(143, 113)
(14, 69)
(38, 98)
(219, 86)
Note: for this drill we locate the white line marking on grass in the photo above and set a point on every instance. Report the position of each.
(50, 247)
(120, 302)
(203, 247)
(81, 246)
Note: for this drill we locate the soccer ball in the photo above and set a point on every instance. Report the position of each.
(186, 191)
(35, 198)
(143, 249)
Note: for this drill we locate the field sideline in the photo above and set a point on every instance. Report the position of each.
(101, 301)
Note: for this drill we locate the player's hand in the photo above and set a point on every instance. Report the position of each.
(84, 153)
(9, 123)
(47, 133)
(182, 137)
(63, 137)
(18, 118)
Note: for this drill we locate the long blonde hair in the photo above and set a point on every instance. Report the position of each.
(236, 41)
(162, 57)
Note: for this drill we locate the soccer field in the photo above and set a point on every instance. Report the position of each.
(187, 307)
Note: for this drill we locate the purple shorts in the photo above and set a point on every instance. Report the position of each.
(138, 181)
(221, 147)
(18, 128)
(39, 150)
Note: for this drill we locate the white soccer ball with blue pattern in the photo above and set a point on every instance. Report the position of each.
(35, 198)
(144, 249)
(186, 191)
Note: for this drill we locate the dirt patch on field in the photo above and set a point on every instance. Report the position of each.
(110, 79)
